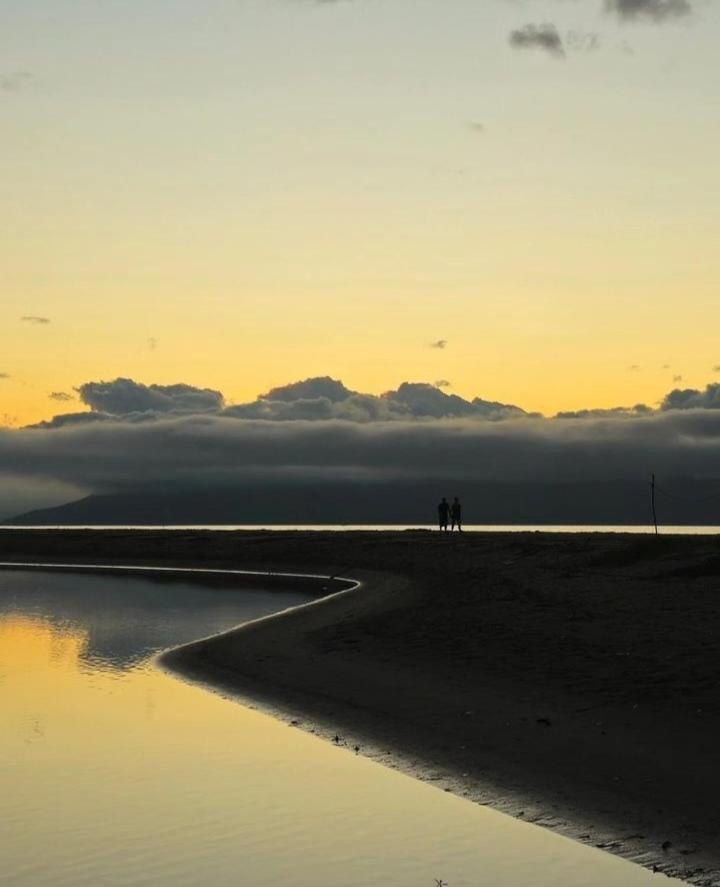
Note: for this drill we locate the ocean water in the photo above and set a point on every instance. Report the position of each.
(116, 773)
(635, 529)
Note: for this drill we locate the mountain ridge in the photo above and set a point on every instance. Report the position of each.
(394, 502)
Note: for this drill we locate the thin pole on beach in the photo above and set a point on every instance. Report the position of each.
(652, 501)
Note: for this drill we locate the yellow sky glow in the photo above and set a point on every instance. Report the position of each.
(285, 191)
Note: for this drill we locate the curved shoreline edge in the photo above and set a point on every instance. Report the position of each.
(335, 667)
(274, 664)
(322, 583)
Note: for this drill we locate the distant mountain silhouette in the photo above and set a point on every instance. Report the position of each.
(385, 503)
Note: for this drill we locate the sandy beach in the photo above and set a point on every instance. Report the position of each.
(568, 680)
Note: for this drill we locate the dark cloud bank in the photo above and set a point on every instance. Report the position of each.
(315, 451)
(655, 10)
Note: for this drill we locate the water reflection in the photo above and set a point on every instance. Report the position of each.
(115, 773)
(126, 619)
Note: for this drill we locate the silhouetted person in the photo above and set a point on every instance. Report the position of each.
(443, 513)
(456, 515)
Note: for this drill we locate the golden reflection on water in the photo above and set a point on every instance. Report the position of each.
(115, 773)
(29, 642)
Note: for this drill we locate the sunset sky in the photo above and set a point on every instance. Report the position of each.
(241, 194)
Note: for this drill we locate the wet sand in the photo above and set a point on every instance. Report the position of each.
(569, 680)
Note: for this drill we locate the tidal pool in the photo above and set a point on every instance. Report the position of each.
(116, 773)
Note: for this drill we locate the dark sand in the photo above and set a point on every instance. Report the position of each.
(570, 680)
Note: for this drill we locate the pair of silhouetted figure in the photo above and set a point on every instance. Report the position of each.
(451, 513)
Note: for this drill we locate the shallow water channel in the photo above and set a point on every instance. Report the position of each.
(116, 773)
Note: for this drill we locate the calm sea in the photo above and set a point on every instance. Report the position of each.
(398, 528)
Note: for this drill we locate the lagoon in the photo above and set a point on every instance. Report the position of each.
(117, 773)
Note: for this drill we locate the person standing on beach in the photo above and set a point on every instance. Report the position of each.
(456, 515)
(443, 512)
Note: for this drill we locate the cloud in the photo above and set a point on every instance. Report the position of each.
(676, 400)
(309, 389)
(210, 451)
(356, 408)
(420, 400)
(441, 344)
(65, 420)
(16, 80)
(320, 431)
(315, 399)
(4, 375)
(582, 41)
(653, 10)
(61, 396)
(325, 398)
(476, 127)
(693, 399)
(716, 368)
(638, 411)
(544, 37)
(152, 343)
(125, 396)
(32, 318)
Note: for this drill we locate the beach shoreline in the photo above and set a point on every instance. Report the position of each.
(570, 681)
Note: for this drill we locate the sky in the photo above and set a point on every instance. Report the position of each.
(517, 197)
(345, 242)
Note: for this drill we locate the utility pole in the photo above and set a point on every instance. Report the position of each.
(652, 501)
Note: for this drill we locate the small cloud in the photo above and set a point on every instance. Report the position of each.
(476, 127)
(582, 41)
(62, 396)
(16, 80)
(666, 366)
(716, 368)
(634, 368)
(152, 343)
(443, 383)
(441, 344)
(33, 318)
(651, 10)
(544, 37)
(4, 375)
(677, 378)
